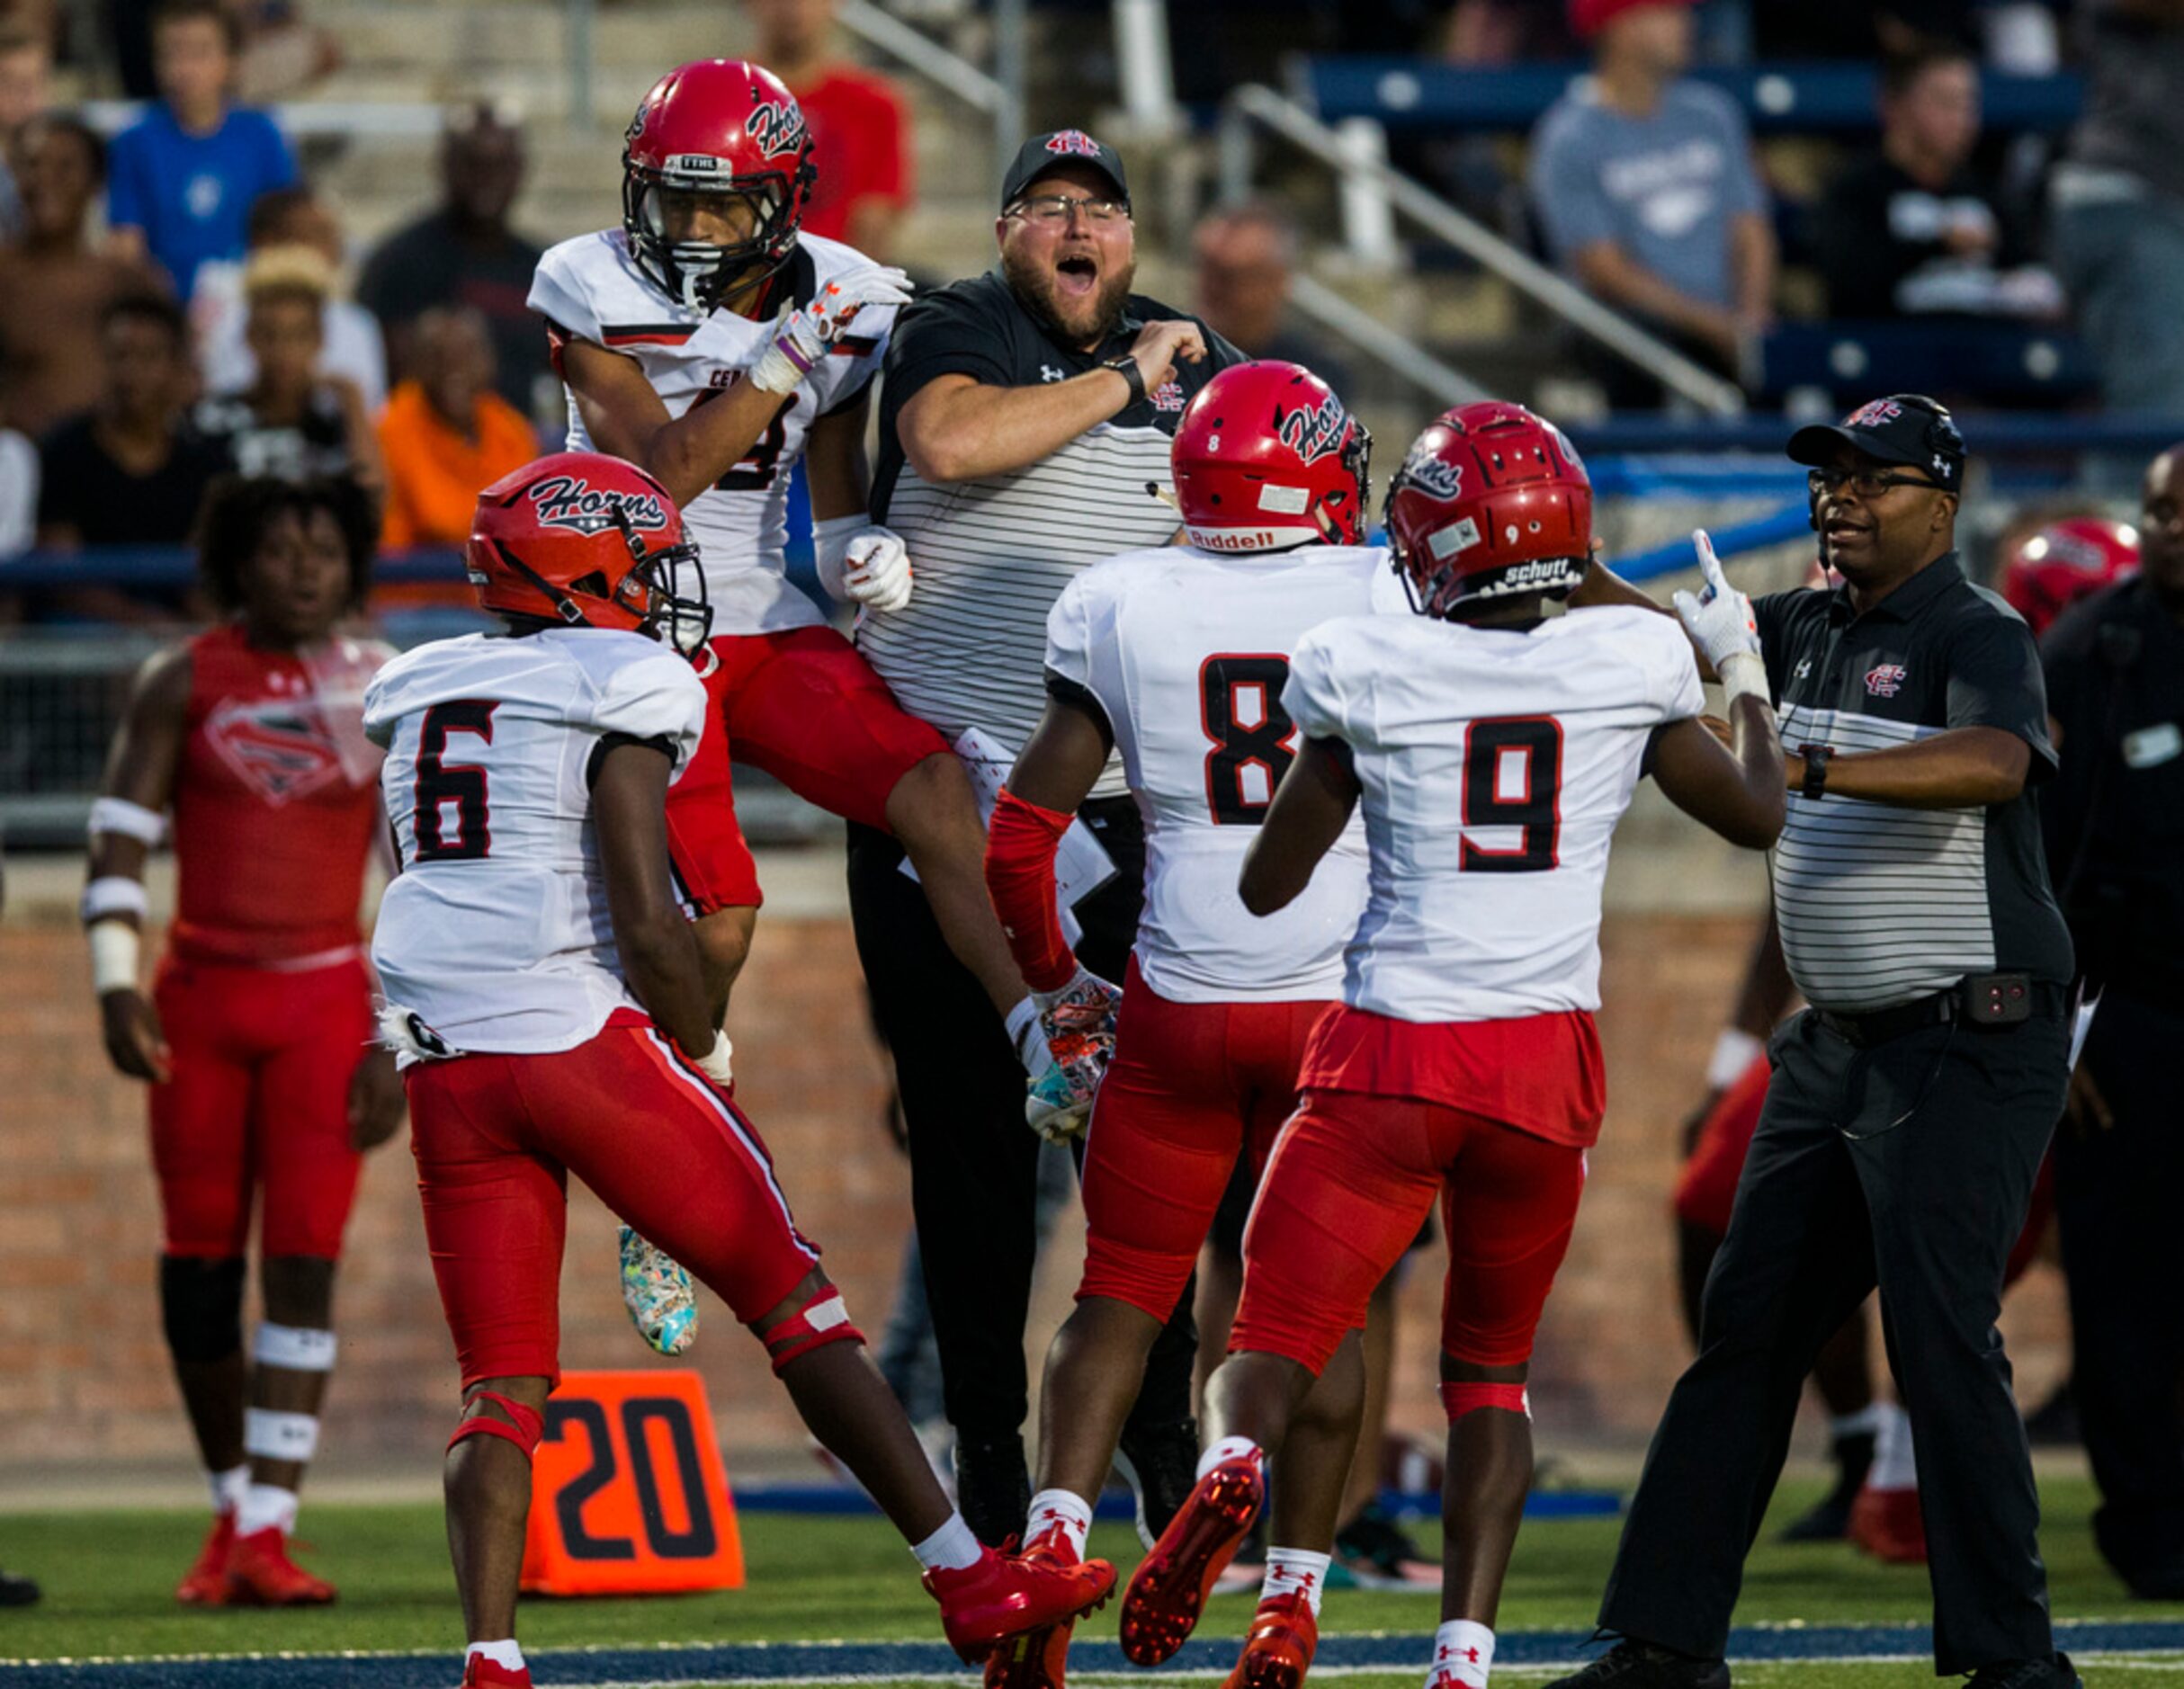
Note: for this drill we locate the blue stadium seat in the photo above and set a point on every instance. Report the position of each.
(1997, 363)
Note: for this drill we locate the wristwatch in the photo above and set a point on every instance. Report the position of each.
(1815, 769)
(1127, 368)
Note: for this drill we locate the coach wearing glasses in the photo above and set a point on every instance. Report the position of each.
(1910, 1105)
(1025, 417)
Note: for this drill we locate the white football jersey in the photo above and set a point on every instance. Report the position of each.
(1187, 653)
(590, 288)
(1495, 765)
(496, 932)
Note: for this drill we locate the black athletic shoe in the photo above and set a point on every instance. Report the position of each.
(993, 1487)
(2053, 1423)
(1634, 1664)
(2057, 1672)
(1372, 1541)
(1828, 1520)
(16, 1590)
(1162, 1467)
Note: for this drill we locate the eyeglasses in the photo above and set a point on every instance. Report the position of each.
(1865, 483)
(1051, 209)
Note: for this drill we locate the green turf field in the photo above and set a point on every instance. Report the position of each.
(109, 1576)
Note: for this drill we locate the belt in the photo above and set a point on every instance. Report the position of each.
(1979, 1000)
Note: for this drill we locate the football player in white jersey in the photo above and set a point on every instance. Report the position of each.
(1494, 746)
(709, 342)
(545, 993)
(1177, 658)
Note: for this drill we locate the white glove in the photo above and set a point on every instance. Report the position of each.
(804, 334)
(864, 565)
(714, 1063)
(1719, 621)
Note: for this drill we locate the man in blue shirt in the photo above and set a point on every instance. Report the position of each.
(182, 179)
(1644, 188)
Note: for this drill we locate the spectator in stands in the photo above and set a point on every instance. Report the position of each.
(293, 420)
(446, 433)
(1244, 256)
(2117, 203)
(1915, 228)
(26, 89)
(860, 126)
(55, 285)
(465, 254)
(1644, 187)
(287, 216)
(183, 179)
(129, 471)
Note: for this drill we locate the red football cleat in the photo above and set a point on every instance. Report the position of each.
(1169, 1589)
(260, 1574)
(1890, 1526)
(480, 1672)
(205, 1584)
(1006, 1596)
(1035, 1661)
(1278, 1648)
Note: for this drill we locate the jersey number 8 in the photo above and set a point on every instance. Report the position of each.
(1239, 706)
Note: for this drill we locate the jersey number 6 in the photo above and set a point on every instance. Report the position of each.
(463, 784)
(1239, 706)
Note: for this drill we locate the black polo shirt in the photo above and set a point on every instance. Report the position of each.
(2115, 816)
(993, 555)
(1879, 904)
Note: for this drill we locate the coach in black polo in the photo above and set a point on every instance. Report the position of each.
(1911, 1104)
(1025, 423)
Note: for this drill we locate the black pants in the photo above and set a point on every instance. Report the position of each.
(973, 1161)
(1928, 1209)
(2115, 1194)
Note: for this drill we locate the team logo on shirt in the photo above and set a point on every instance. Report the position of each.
(1885, 680)
(1314, 434)
(1430, 472)
(1167, 396)
(280, 747)
(567, 501)
(1882, 410)
(1073, 141)
(776, 126)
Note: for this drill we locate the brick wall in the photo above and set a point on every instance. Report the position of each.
(83, 1375)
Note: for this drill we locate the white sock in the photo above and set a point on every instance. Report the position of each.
(1028, 1036)
(506, 1655)
(950, 1548)
(1062, 1507)
(1865, 1423)
(229, 1488)
(1227, 1449)
(1893, 1465)
(265, 1504)
(1293, 1571)
(1461, 1651)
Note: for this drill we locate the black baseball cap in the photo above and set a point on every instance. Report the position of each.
(1043, 153)
(1906, 428)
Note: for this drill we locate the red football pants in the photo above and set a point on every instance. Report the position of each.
(1190, 1086)
(806, 707)
(260, 1098)
(496, 1138)
(1351, 1181)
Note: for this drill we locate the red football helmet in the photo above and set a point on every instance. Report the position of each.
(1266, 458)
(592, 541)
(1491, 500)
(2051, 571)
(720, 126)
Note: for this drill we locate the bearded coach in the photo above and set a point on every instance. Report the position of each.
(1025, 417)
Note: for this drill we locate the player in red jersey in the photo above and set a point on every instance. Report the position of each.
(1492, 747)
(254, 1037)
(548, 997)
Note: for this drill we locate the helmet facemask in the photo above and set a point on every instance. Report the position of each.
(653, 591)
(1341, 517)
(699, 274)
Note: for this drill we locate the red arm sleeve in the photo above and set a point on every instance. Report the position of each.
(1020, 847)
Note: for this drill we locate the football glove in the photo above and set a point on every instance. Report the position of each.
(804, 334)
(1079, 1024)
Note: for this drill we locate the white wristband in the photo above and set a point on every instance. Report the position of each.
(115, 949)
(714, 1064)
(1733, 1052)
(111, 895)
(131, 821)
(1743, 674)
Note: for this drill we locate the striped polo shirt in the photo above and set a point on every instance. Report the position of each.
(991, 556)
(1879, 904)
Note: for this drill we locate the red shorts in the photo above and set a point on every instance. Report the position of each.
(1357, 1173)
(260, 1097)
(1707, 1188)
(806, 707)
(496, 1138)
(1190, 1086)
